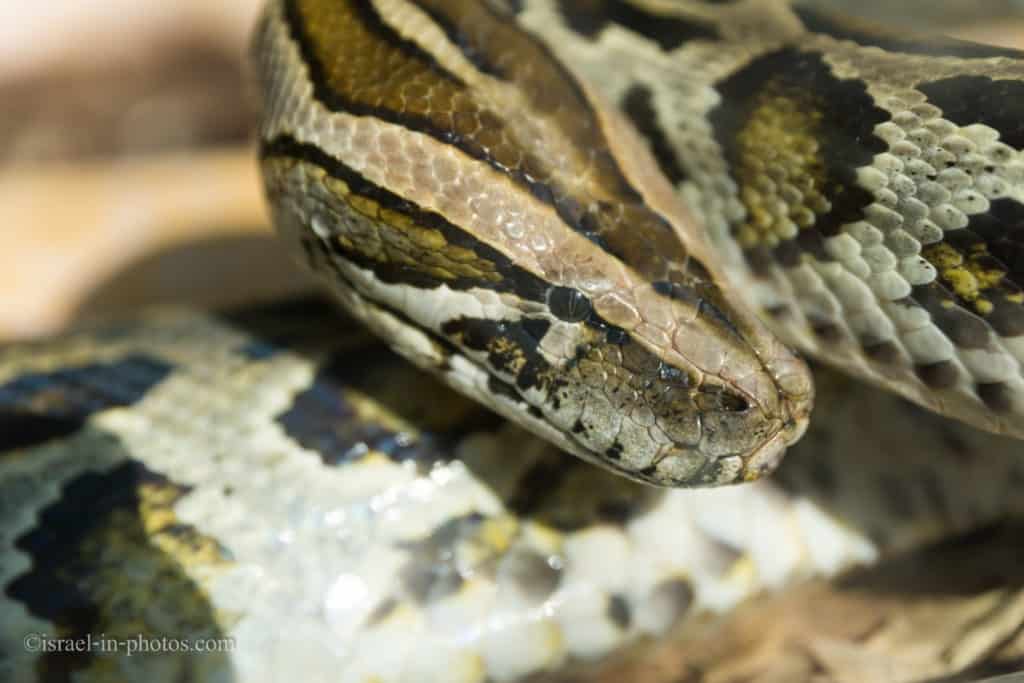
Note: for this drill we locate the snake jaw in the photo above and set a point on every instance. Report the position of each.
(797, 405)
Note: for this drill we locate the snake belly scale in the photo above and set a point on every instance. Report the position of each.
(277, 486)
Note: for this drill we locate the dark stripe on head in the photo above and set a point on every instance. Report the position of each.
(497, 272)
(612, 213)
(511, 347)
(360, 65)
(638, 105)
(472, 49)
(373, 71)
(499, 48)
(370, 74)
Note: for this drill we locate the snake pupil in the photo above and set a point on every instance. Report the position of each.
(568, 304)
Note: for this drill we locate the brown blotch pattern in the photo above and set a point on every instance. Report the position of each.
(793, 134)
(978, 281)
(359, 64)
(102, 523)
(37, 407)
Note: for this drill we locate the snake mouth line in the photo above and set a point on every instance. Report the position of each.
(796, 400)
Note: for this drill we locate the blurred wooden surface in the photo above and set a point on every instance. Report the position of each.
(127, 173)
(59, 35)
(90, 237)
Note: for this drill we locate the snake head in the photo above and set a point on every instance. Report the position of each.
(467, 197)
(689, 396)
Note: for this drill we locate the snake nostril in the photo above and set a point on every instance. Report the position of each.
(721, 400)
(733, 403)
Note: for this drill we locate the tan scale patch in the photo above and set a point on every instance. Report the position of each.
(368, 68)
(542, 130)
(781, 171)
(164, 554)
(180, 546)
(971, 276)
(391, 237)
(364, 68)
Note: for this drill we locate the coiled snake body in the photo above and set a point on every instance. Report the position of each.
(455, 174)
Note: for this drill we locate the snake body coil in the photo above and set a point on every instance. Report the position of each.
(272, 494)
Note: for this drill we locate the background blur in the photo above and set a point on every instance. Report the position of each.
(126, 170)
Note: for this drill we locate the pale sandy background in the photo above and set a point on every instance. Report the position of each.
(126, 171)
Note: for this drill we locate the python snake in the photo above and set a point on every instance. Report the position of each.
(454, 173)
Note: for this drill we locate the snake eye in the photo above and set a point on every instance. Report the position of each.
(673, 375)
(568, 304)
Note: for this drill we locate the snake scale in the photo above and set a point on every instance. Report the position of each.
(570, 212)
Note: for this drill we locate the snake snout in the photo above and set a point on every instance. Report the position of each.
(748, 398)
(739, 441)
